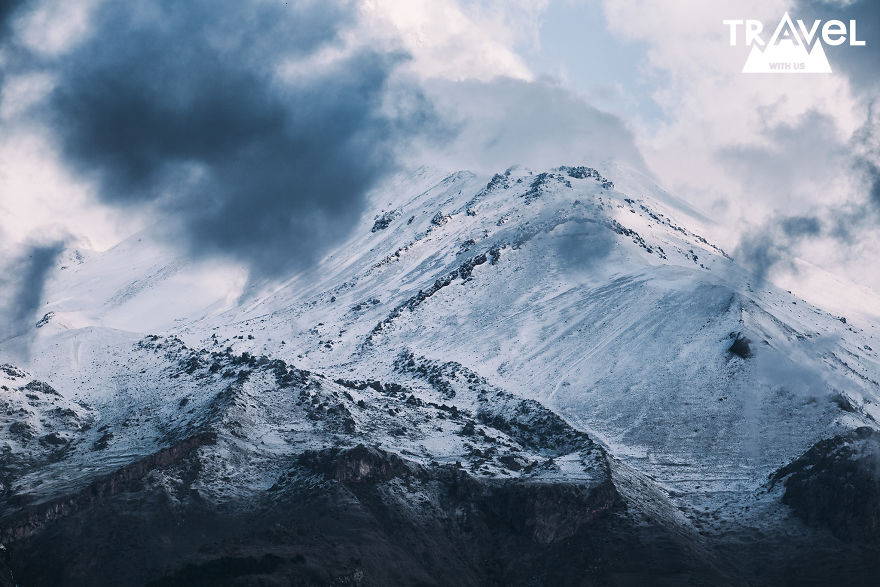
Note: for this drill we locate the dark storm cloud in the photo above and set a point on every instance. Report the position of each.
(180, 106)
(7, 9)
(858, 63)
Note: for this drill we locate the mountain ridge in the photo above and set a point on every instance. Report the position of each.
(530, 334)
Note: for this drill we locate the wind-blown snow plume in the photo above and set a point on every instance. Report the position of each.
(22, 287)
(762, 249)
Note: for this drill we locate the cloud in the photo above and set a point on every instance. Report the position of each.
(7, 9)
(185, 108)
(537, 124)
(458, 40)
(799, 159)
(791, 158)
(858, 63)
(874, 181)
(752, 150)
(800, 226)
(774, 243)
(866, 149)
(711, 110)
(48, 28)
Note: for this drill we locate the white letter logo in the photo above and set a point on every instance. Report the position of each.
(794, 47)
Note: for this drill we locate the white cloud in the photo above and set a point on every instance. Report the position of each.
(448, 42)
(725, 131)
(719, 136)
(538, 124)
(52, 27)
(40, 199)
(21, 92)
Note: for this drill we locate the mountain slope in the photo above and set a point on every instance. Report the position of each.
(567, 363)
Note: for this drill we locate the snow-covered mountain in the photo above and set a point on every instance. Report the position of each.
(534, 378)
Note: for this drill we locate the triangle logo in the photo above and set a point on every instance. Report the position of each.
(788, 52)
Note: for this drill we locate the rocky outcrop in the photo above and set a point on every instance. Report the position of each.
(741, 347)
(356, 516)
(384, 220)
(545, 512)
(360, 464)
(836, 485)
(33, 518)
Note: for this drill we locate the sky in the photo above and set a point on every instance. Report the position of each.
(222, 127)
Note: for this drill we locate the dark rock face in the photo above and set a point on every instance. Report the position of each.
(224, 570)
(6, 577)
(365, 516)
(33, 519)
(360, 464)
(545, 512)
(741, 347)
(356, 516)
(836, 485)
